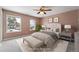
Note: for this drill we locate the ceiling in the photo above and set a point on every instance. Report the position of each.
(29, 10)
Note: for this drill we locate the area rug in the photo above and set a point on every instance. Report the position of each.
(9, 46)
(24, 46)
(60, 46)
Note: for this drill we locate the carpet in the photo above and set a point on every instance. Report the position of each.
(24, 46)
(60, 46)
(9, 46)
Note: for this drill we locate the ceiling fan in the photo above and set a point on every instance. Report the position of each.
(42, 10)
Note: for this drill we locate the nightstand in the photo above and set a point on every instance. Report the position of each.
(66, 36)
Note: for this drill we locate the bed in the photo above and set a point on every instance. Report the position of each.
(44, 39)
(41, 40)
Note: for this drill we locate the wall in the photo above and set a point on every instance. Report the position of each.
(70, 17)
(25, 24)
(0, 24)
(78, 20)
(65, 18)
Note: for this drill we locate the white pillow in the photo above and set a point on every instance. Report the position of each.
(33, 42)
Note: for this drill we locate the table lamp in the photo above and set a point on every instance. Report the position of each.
(67, 27)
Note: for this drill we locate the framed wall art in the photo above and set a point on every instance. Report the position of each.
(50, 20)
(55, 19)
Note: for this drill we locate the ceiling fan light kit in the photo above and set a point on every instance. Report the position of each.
(41, 13)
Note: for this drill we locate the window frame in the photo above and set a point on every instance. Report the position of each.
(7, 24)
(30, 24)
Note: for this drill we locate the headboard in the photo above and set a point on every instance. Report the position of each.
(55, 27)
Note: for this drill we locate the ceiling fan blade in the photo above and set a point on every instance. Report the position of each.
(42, 7)
(44, 12)
(38, 12)
(48, 10)
(35, 10)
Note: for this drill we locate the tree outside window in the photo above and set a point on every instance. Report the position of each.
(13, 23)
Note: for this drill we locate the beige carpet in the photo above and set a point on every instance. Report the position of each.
(24, 46)
(60, 46)
(9, 46)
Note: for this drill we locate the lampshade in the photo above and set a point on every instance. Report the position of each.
(67, 26)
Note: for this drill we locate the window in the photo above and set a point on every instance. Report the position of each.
(13, 23)
(32, 24)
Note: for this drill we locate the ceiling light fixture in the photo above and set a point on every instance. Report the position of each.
(41, 13)
(42, 10)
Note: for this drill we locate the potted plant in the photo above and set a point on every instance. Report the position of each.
(38, 27)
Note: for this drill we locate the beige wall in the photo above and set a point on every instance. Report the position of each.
(70, 17)
(0, 24)
(25, 24)
(78, 20)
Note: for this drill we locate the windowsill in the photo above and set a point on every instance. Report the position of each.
(13, 31)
